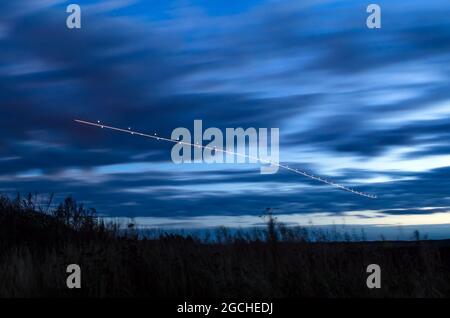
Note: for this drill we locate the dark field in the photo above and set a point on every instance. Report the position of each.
(37, 244)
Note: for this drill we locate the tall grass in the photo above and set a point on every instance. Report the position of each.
(38, 241)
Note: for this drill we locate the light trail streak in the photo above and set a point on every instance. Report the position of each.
(282, 166)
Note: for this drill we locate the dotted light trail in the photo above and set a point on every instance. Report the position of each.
(297, 171)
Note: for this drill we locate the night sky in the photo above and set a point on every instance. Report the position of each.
(366, 108)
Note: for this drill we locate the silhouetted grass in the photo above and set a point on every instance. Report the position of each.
(37, 243)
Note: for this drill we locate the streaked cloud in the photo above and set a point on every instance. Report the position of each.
(363, 107)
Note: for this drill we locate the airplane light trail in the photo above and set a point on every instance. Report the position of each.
(300, 172)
